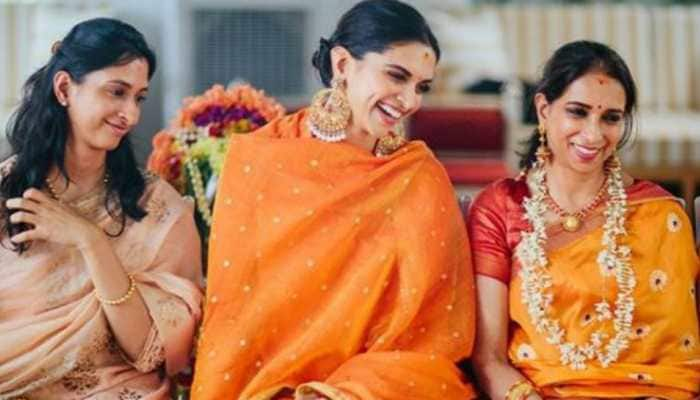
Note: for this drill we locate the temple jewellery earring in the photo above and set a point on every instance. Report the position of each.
(394, 140)
(330, 113)
(543, 153)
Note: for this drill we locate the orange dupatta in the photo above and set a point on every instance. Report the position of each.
(335, 272)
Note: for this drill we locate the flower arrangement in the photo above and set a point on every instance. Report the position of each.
(190, 153)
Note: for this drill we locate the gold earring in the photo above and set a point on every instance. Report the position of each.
(329, 113)
(543, 153)
(388, 144)
(613, 163)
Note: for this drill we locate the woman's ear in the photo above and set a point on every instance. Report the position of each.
(340, 61)
(61, 86)
(542, 108)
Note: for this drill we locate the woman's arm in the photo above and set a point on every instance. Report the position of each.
(129, 321)
(494, 372)
(53, 222)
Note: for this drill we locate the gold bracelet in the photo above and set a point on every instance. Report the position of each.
(520, 390)
(127, 296)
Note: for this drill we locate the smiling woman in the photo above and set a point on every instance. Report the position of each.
(339, 265)
(574, 259)
(99, 264)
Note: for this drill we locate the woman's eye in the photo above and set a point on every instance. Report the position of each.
(424, 88)
(140, 99)
(117, 92)
(577, 112)
(397, 77)
(613, 118)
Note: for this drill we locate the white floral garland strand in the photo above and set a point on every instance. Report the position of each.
(614, 260)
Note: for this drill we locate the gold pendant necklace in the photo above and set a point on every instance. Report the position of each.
(572, 222)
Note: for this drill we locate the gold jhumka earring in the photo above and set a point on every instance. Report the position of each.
(330, 113)
(613, 163)
(543, 153)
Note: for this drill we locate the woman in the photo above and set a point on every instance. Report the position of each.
(586, 277)
(99, 265)
(339, 268)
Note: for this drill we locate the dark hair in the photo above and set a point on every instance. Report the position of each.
(38, 129)
(373, 26)
(570, 62)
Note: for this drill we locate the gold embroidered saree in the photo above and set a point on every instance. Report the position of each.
(332, 271)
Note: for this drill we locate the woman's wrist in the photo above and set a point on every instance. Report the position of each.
(90, 239)
(521, 390)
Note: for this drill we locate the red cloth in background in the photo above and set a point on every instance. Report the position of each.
(460, 129)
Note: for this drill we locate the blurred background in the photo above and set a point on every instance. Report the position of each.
(479, 110)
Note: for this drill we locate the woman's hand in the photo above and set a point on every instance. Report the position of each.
(50, 221)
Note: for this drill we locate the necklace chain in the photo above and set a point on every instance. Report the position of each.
(56, 196)
(572, 220)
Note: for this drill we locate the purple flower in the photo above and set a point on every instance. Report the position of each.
(203, 119)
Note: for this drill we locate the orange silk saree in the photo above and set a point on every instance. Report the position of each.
(334, 272)
(663, 358)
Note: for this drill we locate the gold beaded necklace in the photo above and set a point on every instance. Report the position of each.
(572, 221)
(56, 196)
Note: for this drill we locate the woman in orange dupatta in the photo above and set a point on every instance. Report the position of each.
(99, 265)
(335, 273)
(587, 278)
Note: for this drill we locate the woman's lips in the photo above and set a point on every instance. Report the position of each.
(585, 153)
(119, 130)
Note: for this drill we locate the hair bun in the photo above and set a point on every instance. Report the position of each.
(56, 46)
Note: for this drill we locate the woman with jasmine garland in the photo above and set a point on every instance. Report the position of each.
(586, 277)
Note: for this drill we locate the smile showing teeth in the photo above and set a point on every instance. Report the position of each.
(391, 111)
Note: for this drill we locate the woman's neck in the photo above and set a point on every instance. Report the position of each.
(573, 190)
(360, 138)
(85, 167)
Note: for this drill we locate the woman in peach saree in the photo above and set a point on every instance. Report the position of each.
(99, 266)
(586, 277)
(339, 264)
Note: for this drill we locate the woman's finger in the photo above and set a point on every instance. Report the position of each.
(19, 203)
(27, 236)
(36, 195)
(23, 217)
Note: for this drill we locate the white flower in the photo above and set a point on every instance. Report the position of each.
(602, 310)
(688, 343)
(673, 222)
(613, 260)
(641, 377)
(640, 331)
(526, 352)
(658, 280)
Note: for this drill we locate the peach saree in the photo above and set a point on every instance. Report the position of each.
(55, 341)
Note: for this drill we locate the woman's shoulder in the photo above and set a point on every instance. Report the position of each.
(159, 195)
(284, 127)
(644, 191)
(499, 193)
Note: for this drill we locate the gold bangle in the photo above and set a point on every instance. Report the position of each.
(127, 296)
(520, 390)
